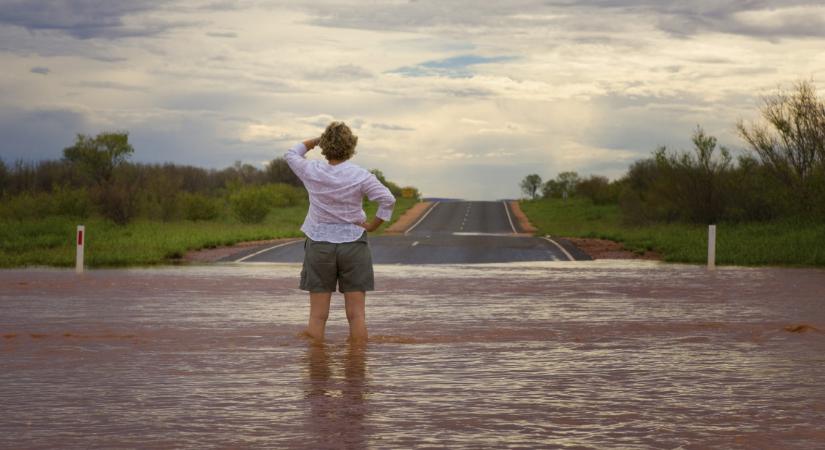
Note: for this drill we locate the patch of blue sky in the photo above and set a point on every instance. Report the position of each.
(454, 67)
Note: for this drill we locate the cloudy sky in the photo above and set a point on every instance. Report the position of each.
(460, 98)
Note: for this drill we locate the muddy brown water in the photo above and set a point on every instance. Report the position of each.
(556, 355)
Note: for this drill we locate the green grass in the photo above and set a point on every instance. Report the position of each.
(786, 243)
(50, 241)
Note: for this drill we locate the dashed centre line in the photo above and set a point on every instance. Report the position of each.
(464, 221)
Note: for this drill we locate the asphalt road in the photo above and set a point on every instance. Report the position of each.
(449, 232)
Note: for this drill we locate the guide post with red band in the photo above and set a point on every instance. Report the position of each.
(81, 230)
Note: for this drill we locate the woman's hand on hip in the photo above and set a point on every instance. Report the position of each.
(371, 225)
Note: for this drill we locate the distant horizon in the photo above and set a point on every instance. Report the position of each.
(454, 97)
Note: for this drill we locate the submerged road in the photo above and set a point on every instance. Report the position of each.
(449, 232)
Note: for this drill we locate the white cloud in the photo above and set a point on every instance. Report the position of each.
(461, 98)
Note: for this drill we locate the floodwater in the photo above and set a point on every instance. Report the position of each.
(554, 355)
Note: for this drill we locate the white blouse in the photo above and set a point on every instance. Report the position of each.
(336, 194)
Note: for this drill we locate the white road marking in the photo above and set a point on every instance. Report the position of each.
(422, 218)
(414, 244)
(566, 253)
(471, 233)
(509, 218)
(266, 250)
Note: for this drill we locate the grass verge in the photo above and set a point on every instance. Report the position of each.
(786, 243)
(50, 241)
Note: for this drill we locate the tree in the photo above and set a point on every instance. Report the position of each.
(99, 156)
(278, 171)
(4, 177)
(568, 181)
(564, 183)
(696, 180)
(791, 139)
(394, 188)
(103, 159)
(598, 189)
(530, 185)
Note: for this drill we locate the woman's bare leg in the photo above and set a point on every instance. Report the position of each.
(318, 314)
(356, 315)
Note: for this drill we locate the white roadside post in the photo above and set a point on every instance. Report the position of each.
(711, 246)
(81, 241)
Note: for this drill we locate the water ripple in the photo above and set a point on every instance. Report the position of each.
(583, 355)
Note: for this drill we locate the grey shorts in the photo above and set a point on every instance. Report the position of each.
(347, 265)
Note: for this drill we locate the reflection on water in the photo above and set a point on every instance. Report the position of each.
(336, 392)
(593, 355)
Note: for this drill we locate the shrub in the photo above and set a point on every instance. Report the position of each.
(278, 171)
(26, 206)
(71, 202)
(251, 204)
(790, 141)
(285, 195)
(199, 207)
(598, 189)
(118, 197)
(394, 188)
(564, 184)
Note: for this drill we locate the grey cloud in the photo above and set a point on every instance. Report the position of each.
(641, 123)
(109, 59)
(34, 135)
(83, 19)
(209, 101)
(228, 5)
(40, 70)
(711, 60)
(606, 16)
(110, 85)
(222, 34)
(467, 92)
(724, 16)
(189, 138)
(787, 25)
(390, 127)
(342, 72)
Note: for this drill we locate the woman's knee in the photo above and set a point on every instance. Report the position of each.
(355, 314)
(319, 315)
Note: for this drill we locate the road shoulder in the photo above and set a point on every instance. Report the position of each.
(210, 255)
(407, 219)
(524, 224)
(605, 249)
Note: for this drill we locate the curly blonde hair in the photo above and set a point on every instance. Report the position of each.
(338, 142)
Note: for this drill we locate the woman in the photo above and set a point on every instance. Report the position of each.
(336, 250)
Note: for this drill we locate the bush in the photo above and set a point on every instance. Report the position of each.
(278, 171)
(71, 202)
(118, 198)
(598, 189)
(563, 185)
(693, 187)
(252, 204)
(199, 207)
(26, 206)
(790, 142)
(286, 195)
(394, 188)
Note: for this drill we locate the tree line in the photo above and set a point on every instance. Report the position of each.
(782, 175)
(96, 176)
